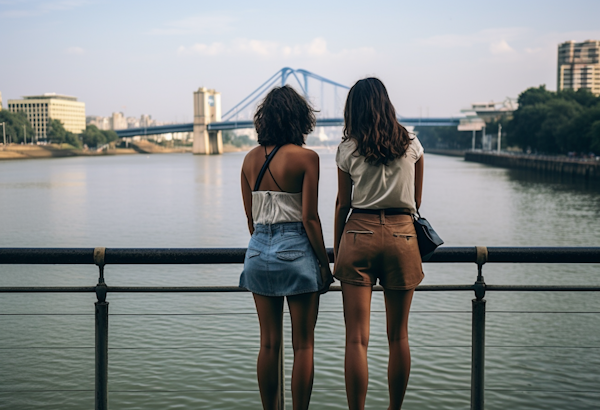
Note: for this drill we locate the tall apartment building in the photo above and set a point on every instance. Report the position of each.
(579, 66)
(118, 121)
(51, 106)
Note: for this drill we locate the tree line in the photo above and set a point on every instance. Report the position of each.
(18, 128)
(546, 122)
(556, 122)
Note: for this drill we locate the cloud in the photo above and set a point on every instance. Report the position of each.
(501, 47)
(40, 8)
(258, 47)
(196, 24)
(315, 48)
(496, 39)
(75, 51)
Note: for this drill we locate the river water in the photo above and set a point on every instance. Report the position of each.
(171, 351)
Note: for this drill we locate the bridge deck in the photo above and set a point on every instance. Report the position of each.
(234, 125)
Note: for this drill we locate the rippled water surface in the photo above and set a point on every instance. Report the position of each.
(172, 351)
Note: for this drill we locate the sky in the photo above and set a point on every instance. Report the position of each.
(147, 57)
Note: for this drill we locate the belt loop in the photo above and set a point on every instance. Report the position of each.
(382, 216)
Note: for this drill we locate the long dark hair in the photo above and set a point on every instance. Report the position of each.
(283, 117)
(370, 120)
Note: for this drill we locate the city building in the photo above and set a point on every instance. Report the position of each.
(102, 123)
(133, 122)
(118, 121)
(579, 66)
(51, 106)
(480, 114)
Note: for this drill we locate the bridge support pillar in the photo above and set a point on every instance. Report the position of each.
(207, 109)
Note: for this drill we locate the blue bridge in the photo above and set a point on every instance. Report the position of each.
(209, 123)
(234, 125)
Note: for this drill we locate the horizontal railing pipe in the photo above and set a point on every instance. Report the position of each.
(335, 288)
(210, 256)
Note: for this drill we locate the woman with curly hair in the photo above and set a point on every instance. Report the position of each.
(380, 179)
(286, 256)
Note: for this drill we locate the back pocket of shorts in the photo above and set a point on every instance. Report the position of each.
(251, 253)
(403, 235)
(289, 255)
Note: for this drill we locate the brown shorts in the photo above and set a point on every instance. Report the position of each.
(379, 246)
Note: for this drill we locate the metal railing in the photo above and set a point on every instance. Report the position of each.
(121, 256)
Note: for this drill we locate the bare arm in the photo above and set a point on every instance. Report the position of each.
(419, 168)
(310, 213)
(247, 198)
(342, 207)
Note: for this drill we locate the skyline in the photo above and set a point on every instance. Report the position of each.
(148, 59)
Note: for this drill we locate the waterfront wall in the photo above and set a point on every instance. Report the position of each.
(558, 165)
(448, 152)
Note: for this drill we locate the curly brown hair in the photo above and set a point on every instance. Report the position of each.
(370, 120)
(284, 117)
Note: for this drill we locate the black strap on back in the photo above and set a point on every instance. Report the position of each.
(261, 174)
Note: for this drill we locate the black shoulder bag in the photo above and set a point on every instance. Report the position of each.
(427, 238)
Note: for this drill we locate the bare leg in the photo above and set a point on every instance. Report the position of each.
(270, 317)
(303, 311)
(397, 306)
(357, 315)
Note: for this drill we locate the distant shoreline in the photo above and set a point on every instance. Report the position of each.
(21, 151)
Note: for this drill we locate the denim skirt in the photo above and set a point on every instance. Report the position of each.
(280, 261)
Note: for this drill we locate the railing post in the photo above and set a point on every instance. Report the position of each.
(478, 335)
(101, 318)
(281, 378)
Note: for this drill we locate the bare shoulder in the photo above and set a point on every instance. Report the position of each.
(251, 156)
(304, 154)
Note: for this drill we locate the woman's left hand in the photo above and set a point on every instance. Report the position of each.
(326, 277)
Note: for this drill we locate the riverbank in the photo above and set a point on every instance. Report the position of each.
(588, 169)
(18, 151)
(447, 152)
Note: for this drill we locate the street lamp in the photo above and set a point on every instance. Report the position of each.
(4, 132)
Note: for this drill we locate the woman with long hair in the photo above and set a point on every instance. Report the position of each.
(380, 180)
(286, 256)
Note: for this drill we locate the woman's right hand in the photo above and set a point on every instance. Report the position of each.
(326, 276)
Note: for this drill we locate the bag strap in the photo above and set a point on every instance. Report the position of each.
(261, 174)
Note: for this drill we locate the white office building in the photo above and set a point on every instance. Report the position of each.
(41, 109)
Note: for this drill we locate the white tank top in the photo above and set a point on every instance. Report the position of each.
(272, 207)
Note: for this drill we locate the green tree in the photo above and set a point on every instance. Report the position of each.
(582, 96)
(553, 136)
(229, 137)
(555, 123)
(595, 137)
(444, 137)
(93, 137)
(14, 123)
(110, 135)
(57, 134)
(578, 133)
(533, 96)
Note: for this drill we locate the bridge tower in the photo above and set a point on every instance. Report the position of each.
(207, 109)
